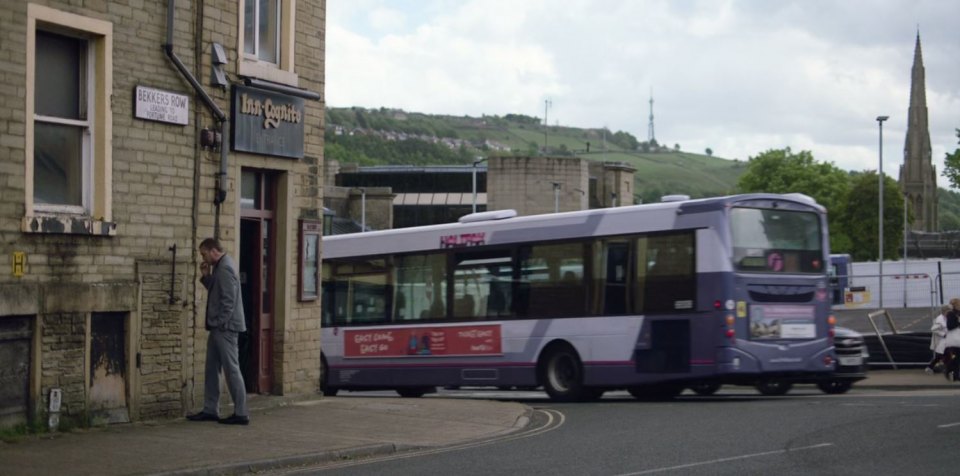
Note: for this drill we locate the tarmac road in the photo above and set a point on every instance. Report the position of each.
(285, 432)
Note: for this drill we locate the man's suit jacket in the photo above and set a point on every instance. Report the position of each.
(224, 303)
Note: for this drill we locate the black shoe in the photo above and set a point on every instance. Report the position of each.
(234, 420)
(202, 416)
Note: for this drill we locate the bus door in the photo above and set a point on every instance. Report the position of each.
(616, 260)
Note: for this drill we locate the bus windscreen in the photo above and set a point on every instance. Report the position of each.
(776, 240)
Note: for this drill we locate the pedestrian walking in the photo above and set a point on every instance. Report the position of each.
(951, 342)
(937, 332)
(224, 322)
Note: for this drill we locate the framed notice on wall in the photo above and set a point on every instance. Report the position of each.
(309, 268)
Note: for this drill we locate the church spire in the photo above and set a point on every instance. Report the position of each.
(918, 176)
(918, 91)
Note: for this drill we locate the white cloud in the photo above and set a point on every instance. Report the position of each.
(739, 77)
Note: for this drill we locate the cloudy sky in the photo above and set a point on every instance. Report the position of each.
(739, 77)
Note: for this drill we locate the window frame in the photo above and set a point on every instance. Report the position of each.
(282, 71)
(96, 208)
(88, 65)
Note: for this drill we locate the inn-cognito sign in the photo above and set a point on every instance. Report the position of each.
(266, 122)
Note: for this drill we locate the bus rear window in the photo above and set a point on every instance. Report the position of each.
(776, 241)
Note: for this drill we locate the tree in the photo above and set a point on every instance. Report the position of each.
(709, 152)
(951, 166)
(782, 171)
(859, 218)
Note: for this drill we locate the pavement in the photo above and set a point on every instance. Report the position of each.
(286, 432)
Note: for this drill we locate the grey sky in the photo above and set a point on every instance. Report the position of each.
(739, 77)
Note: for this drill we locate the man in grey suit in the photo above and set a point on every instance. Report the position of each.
(225, 321)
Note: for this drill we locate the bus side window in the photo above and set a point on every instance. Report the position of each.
(552, 282)
(464, 306)
(671, 280)
(421, 287)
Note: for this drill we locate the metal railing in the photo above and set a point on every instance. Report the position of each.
(874, 291)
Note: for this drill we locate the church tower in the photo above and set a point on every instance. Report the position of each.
(918, 176)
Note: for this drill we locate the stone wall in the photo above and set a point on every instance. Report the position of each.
(526, 184)
(163, 189)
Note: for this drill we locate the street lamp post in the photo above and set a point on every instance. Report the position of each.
(556, 197)
(476, 162)
(363, 209)
(880, 120)
(905, 249)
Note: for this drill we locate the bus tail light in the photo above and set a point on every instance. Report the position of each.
(731, 334)
(831, 323)
(827, 360)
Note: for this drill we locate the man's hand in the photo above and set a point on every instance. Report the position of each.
(204, 268)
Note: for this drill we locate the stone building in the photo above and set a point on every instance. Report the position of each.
(534, 185)
(918, 175)
(131, 130)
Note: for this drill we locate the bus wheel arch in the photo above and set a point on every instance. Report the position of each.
(560, 372)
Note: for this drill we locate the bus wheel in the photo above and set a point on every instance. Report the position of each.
(593, 393)
(412, 392)
(325, 387)
(561, 374)
(705, 389)
(835, 386)
(774, 388)
(657, 391)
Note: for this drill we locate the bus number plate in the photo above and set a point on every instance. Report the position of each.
(798, 330)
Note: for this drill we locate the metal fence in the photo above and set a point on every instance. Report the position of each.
(892, 291)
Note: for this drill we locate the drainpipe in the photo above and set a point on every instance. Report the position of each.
(221, 118)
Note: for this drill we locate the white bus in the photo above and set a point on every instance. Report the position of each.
(649, 298)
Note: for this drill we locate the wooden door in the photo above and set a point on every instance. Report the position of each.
(257, 246)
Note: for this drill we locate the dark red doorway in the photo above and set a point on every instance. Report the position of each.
(256, 278)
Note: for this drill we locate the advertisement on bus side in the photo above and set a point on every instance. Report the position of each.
(423, 341)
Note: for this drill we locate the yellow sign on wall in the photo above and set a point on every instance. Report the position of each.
(19, 263)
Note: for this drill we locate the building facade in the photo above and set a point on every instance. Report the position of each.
(132, 130)
(400, 196)
(918, 175)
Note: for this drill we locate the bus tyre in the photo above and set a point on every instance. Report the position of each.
(834, 386)
(591, 394)
(656, 391)
(561, 374)
(705, 389)
(412, 392)
(325, 387)
(774, 388)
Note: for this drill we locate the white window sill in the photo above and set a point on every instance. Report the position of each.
(67, 225)
(267, 71)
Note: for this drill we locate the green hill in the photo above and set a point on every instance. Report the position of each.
(392, 136)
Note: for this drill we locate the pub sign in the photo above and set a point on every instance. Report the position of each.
(266, 122)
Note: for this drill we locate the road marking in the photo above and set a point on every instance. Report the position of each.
(554, 420)
(732, 458)
(948, 425)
